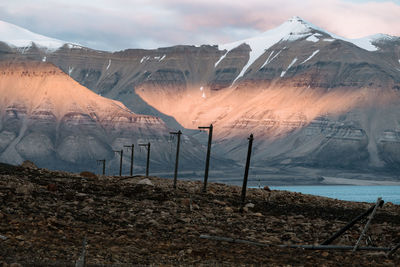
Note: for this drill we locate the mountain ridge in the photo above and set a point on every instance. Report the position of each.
(296, 27)
(305, 100)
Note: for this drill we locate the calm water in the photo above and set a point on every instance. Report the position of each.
(348, 192)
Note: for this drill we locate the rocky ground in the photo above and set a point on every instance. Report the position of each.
(45, 216)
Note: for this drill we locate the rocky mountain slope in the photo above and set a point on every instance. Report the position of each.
(45, 216)
(310, 97)
(47, 117)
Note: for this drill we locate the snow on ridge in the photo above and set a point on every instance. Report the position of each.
(19, 37)
(365, 43)
(220, 59)
(290, 65)
(109, 64)
(310, 57)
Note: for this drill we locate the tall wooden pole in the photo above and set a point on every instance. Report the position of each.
(103, 161)
(132, 154)
(246, 170)
(121, 153)
(148, 157)
(210, 132)
(177, 156)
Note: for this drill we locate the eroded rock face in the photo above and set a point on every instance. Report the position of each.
(50, 119)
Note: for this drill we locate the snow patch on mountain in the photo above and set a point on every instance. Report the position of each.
(310, 57)
(16, 36)
(220, 59)
(145, 58)
(313, 38)
(267, 61)
(270, 60)
(290, 65)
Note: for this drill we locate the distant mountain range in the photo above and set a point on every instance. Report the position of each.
(311, 98)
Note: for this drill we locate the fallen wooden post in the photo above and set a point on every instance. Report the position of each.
(350, 224)
(393, 250)
(234, 240)
(310, 247)
(371, 216)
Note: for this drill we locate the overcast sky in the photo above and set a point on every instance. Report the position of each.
(121, 24)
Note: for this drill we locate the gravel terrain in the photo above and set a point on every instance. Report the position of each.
(45, 216)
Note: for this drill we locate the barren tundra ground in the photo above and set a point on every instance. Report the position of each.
(45, 215)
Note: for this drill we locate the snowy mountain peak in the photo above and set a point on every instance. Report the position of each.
(292, 30)
(16, 36)
(297, 20)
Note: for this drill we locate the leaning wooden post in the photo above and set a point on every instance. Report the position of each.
(132, 154)
(367, 224)
(81, 262)
(246, 170)
(177, 156)
(350, 224)
(210, 132)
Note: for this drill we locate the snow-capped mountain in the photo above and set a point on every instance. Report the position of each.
(310, 97)
(16, 36)
(297, 28)
(293, 30)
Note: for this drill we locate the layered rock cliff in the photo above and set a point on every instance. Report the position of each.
(50, 119)
(310, 97)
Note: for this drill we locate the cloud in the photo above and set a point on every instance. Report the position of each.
(119, 24)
